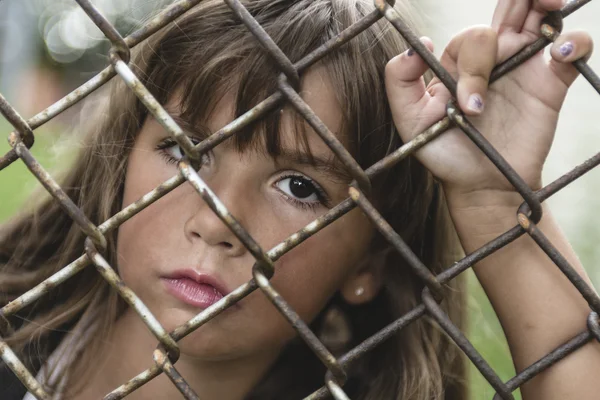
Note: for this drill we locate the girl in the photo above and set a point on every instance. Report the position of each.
(276, 177)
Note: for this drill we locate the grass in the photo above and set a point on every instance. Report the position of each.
(17, 183)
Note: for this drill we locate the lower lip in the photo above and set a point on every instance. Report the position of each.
(193, 293)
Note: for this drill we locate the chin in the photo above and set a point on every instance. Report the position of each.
(210, 338)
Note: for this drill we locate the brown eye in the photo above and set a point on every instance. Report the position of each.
(300, 188)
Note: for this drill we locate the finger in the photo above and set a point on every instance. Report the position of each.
(404, 77)
(475, 59)
(567, 48)
(513, 15)
(539, 10)
(548, 5)
(510, 15)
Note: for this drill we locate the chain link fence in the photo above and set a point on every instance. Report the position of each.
(167, 352)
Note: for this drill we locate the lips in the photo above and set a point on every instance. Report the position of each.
(193, 288)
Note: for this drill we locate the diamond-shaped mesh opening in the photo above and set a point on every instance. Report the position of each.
(286, 93)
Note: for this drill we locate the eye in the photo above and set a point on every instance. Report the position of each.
(172, 152)
(301, 191)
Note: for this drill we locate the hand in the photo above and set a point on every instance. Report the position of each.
(518, 113)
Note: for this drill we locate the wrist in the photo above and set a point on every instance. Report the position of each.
(483, 200)
(480, 216)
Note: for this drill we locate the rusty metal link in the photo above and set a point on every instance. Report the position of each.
(415, 42)
(161, 20)
(15, 119)
(369, 344)
(586, 71)
(547, 361)
(78, 265)
(328, 137)
(167, 352)
(155, 108)
(594, 325)
(88, 228)
(459, 119)
(303, 330)
(109, 274)
(26, 378)
(454, 112)
(119, 47)
(588, 293)
(434, 309)
(399, 244)
(551, 34)
(162, 361)
(552, 25)
(336, 390)
(44, 287)
(571, 6)
(266, 41)
(264, 262)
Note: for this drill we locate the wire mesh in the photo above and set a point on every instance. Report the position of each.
(167, 352)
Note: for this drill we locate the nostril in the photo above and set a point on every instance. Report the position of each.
(227, 245)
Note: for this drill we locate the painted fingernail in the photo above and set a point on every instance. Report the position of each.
(565, 49)
(410, 52)
(475, 103)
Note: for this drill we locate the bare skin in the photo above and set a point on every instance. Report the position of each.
(539, 309)
(518, 279)
(226, 357)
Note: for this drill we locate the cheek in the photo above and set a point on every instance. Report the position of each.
(310, 274)
(139, 234)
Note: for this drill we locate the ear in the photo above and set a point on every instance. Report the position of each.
(366, 280)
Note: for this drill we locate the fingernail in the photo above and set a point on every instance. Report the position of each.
(565, 49)
(475, 103)
(410, 52)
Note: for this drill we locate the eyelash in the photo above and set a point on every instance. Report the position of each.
(169, 142)
(322, 198)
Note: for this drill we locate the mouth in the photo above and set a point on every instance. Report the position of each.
(193, 288)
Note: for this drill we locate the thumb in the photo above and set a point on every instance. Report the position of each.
(569, 47)
(405, 86)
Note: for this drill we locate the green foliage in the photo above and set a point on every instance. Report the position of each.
(486, 335)
(16, 182)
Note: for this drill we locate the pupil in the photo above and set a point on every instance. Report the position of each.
(301, 188)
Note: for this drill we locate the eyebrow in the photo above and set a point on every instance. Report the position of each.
(333, 168)
(199, 131)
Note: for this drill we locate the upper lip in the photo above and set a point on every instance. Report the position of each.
(199, 277)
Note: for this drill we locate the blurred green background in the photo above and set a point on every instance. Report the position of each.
(47, 49)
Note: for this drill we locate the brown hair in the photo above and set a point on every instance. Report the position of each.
(208, 52)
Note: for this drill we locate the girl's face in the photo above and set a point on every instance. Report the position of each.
(179, 236)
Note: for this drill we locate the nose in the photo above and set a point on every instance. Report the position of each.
(206, 226)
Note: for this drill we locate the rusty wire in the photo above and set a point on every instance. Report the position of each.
(167, 351)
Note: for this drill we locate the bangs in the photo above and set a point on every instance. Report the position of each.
(209, 53)
(248, 83)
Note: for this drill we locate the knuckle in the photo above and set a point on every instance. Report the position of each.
(473, 84)
(476, 70)
(482, 35)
